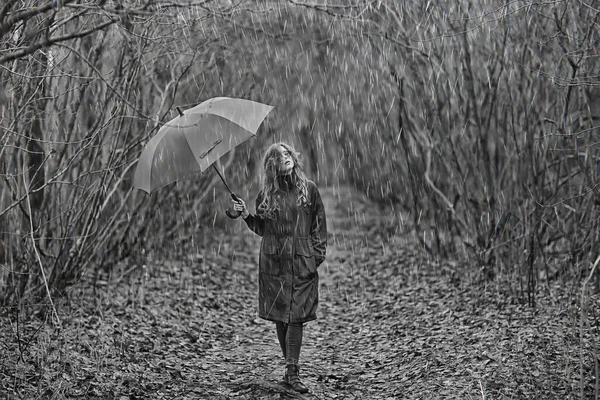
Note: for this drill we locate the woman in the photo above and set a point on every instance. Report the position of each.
(291, 220)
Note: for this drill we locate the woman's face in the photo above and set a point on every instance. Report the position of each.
(286, 162)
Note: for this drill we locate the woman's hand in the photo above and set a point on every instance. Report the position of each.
(240, 205)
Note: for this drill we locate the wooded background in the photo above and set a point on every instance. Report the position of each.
(477, 118)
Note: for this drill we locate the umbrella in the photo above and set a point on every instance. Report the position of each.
(193, 141)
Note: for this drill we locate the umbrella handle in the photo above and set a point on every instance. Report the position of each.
(233, 214)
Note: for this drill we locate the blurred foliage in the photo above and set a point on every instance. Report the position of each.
(477, 119)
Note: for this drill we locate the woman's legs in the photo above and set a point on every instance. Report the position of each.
(290, 340)
(293, 343)
(281, 335)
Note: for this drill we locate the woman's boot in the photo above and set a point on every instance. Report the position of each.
(293, 343)
(293, 379)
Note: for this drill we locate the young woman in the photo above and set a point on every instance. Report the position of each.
(291, 220)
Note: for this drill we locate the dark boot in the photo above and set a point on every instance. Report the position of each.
(293, 380)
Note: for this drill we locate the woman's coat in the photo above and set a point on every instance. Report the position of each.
(293, 246)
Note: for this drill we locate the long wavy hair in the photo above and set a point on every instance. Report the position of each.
(271, 189)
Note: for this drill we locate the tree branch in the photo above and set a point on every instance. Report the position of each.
(47, 42)
(4, 10)
(37, 254)
(13, 19)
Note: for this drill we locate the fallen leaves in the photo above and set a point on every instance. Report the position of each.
(390, 326)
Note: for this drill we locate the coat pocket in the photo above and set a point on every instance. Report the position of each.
(305, 257)
(270, 256)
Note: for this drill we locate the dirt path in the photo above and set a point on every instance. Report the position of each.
(391, 326)
(346, 352)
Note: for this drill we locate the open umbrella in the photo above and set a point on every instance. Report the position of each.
(193, 141)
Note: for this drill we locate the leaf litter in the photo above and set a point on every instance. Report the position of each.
(392, 324)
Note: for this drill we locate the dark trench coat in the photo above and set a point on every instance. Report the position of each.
(293, 245)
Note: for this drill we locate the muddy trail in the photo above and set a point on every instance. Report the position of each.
(392, 325)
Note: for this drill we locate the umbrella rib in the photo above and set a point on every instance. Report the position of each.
(215, 144)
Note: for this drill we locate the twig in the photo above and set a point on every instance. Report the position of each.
(114, 282)
(596, 389)
(37, 254)
(583, 316)
(23, 349)
(441, 195)
(19, 337)
(482, 390)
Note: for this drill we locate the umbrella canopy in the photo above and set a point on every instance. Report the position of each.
(193, 141)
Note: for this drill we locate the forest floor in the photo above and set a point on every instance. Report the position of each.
(392, 325)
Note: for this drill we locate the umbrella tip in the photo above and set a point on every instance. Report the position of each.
(180, 112)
